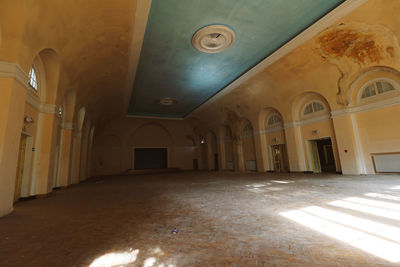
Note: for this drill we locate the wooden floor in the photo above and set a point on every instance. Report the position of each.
(222, 219)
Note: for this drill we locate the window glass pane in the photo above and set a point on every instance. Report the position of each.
(318, 106)
(274, 119)
(386, 86)
(315, 107)
(379, 87)
(33, 79)
(308, 109)
(368, 91)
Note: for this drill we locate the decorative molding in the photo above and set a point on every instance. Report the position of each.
(41, 107)
(269, 130)
(309, 121)
(342, 10)
(154, 117)
(13, 70)
(67, 126)
(48, 108)
(367, 107)
(138, 30)
(33, 101)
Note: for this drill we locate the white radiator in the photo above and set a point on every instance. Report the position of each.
(387, 162)
(229, 165)
(251, 165)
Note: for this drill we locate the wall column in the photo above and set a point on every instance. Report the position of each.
(83, 159)
(90, 153)
(45, 152)
(348, 142)
(210, 155)
(12, 105)
(238, 153)
(66, 155)
(221, 150)
(261, 151)
(295, 149)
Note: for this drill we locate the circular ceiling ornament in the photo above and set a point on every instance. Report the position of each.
(213, 39)
(167, 101)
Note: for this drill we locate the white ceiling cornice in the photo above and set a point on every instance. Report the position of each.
(138, 30)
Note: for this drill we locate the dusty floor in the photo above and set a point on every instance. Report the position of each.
(224, 219)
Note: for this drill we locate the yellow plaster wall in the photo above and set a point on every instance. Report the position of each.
(379, 132)
(249, 152)
(31, 129)
(279, 137)
(114, 144)
(44, 169)
(12, 103)
(66, 156)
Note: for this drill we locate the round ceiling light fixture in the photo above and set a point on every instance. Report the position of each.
(213, 39)
(167, 101)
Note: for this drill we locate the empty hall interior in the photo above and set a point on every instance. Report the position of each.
(199, 133)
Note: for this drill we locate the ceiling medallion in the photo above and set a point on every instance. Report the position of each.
(213, 39)
(167, 101)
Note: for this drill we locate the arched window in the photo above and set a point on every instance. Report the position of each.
(376, 88)
(313, 107)
(274, 120)
(33, 79)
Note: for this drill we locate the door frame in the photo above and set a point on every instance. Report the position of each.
(310, 156)
(26, 179)
(284, 157)
(133, 154)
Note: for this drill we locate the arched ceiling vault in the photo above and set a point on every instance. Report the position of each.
(99, 45)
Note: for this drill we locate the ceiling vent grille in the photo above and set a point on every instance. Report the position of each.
(213, 39)
(167, 101)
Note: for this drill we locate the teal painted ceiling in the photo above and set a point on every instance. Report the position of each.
(170, 66)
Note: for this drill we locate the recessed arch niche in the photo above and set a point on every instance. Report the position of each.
(152, 135)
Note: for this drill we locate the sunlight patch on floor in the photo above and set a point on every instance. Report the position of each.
(382, 196)
(376, 238)
(379, 247)
(282, 182)
(378, 229)
(115, 259)
(374, 203)
(395, 215)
